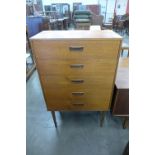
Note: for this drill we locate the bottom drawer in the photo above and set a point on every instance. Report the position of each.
(77, 105)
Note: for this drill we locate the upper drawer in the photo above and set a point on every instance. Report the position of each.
(46, 49)
(77, 67)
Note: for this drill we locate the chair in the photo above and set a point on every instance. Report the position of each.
(82, 19)
(45, 24)
(121, 22)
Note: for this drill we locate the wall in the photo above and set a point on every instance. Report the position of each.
(107, 9)
(121, 7)
(127, 8)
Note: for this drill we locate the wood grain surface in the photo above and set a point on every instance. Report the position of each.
(77, 68)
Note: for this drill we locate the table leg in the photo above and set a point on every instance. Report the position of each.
(122, 52)
(101, 118)
(125, 123)
(54, 118)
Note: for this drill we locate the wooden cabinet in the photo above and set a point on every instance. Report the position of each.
(120, 101)
(120, 105)
(77, 68)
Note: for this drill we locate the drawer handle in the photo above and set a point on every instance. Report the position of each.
(77, 80)
(77, 65)
(78, 93)
(78, 103)
(76, 48)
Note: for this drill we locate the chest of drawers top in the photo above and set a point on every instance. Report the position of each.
(77, 34)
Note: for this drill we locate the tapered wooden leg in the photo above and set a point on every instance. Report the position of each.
(125, 123)
(54, 118)
(61, 113)
(122, 52)
(101, 118)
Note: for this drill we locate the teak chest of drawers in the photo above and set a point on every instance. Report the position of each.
(77, 68)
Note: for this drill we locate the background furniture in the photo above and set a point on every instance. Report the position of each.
(95, 9)
(77, 69)
(63, 9)
(82, 19)
(120, 104)
(37, 24)
(124, 47)
(126, 24)
(95, 27)
(97, 20)
(76, 6)
(47, 8)
(82, 26)
(66, 23)
(33, 7)
(44, 25)
(29, 10)
(126, 149)
(121, 23)
(30, 64)
(107, 26)
(59, 24)
(33, 24)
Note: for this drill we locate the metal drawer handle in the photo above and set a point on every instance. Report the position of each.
(77, 65)
(77, 80)
(78, 103)
(78, 93)
(76, 48)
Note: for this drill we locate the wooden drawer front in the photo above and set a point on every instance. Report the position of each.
(77, 82)
(73, 93)
(75, 49)
(69, 105)
(75, 101)
(94, 67)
